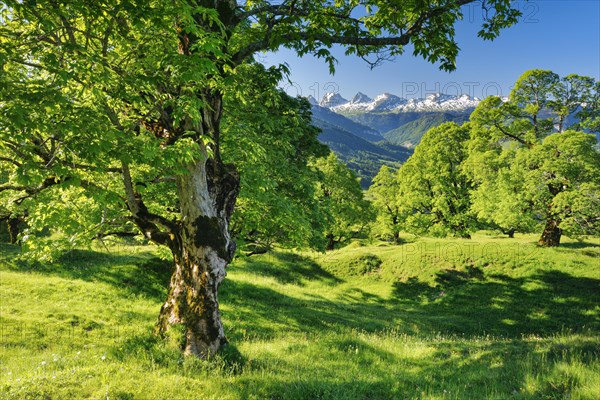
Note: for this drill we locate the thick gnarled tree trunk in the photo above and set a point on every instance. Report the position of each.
(551, 235)
(201, 251)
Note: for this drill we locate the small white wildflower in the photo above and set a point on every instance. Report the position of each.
(79, 352)
(55, 359)
(53, 376)
(103, 358)
(43, 362)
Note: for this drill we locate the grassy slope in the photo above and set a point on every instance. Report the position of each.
(440, 319)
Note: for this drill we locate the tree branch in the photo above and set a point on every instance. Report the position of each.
(10, 160)
(368, 40)
(50, 181)
(510, 135)
(92, 167)
(147, 222)
(116, 233)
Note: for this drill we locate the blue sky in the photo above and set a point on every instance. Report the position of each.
(560, 35)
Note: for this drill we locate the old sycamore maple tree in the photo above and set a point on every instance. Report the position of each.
(108, 105)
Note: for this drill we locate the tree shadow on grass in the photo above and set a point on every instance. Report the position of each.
(581, 244)
(262, 312)
(327, 376)
(589, 248)
(139, 274)
(545, 303)
(509, 366)
(465, 303)
(8, 252)
(290, 268)
(468, 304)
(310, 387)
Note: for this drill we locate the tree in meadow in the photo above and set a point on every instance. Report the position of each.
(383, 193)
(574, 95)
(107, 107)
(498, 199)
(339, 191)
(434, 193)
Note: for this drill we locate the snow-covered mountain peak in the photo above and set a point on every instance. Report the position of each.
(360, 98)
(331, 100)
(387, 102)
(362, 103)
(312, 100)
(442, 102)
(439, 97)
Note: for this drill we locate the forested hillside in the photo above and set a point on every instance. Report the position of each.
(362, 149)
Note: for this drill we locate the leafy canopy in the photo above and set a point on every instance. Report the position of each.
(383, 195)
(434, 191)
(340, 194)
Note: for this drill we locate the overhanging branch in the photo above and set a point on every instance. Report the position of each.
(148, 223)
(301, 34)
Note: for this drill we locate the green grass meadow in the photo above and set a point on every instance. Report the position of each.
(487, 318)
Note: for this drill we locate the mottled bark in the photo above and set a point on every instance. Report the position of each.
(201, 250)
(551, 235)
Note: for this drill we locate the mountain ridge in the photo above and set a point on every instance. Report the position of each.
(387, 102)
